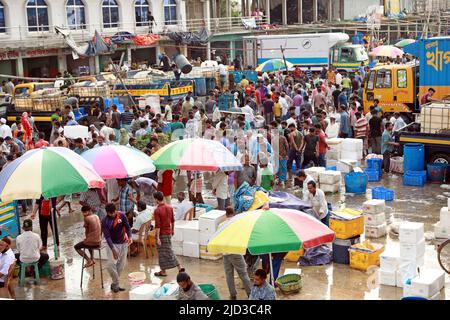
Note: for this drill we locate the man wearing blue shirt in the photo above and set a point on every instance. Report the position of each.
(261, 289)
(345, 129)
(387, 146)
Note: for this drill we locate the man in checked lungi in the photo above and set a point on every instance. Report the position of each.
(164, 226)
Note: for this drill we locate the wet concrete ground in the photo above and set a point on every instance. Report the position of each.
(334, 281)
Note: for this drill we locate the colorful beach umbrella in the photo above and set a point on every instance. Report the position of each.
(387, 51)
(404, 43)
(273, 65)
(269, 231)
(196, 155)
(116, 161)
(50, 172)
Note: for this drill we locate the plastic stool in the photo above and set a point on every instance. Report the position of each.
(93, 266)
(23, 266)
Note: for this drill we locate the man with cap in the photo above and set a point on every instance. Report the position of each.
(332, 130)
(5, 130)
(28, 246)
(188, 289)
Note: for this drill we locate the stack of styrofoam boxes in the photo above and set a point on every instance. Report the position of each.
(442, 228)
(352, 149)
(314, 172)
(209, 223)
(427, 284)
(330, 181)
(392, 271)
(375, 218)
(412, 243)
(177, 239)
(334, 153)
(191, 239)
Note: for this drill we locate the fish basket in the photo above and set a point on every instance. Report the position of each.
(290, 283)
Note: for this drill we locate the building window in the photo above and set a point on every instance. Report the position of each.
(141, 12)
(75, 14)
(110, 14)
(37, 15)
(2, 19)
(170, 11)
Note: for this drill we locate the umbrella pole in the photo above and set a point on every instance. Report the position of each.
(55, 245)
(195, 192)
(272, 280)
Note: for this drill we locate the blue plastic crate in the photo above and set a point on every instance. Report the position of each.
(375, 163)
(382, 193)
(332, 168)
(415, 178)
(373, 174)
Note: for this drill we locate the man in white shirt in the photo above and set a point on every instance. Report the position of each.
(105, 131)
(249, 116)
(220, 190)
(338, 78)
(223, 72)
(6, 259)
(302, 179)
(184, 208)
(332, 130)
(318, 201)
(397, 121)
(144, 215)
(168, 111)
(29, 244)
(147, 187)
(5, 130)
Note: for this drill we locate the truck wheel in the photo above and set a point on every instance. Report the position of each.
(440, 158)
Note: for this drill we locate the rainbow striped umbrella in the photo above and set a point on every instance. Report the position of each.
(387, 51)
(273, 65)
(195, 155)
(116, 161)
(269, 231)
(50, 172)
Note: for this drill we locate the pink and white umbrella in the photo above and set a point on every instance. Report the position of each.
(116, 161)
(387, 51)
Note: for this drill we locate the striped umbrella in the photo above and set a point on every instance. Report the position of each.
(195, 155)
(404, 43)
(116, 161)
(50, 172)
(273, 65)
(387, 51)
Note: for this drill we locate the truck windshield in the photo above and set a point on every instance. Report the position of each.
(371, 80)
(384, 79)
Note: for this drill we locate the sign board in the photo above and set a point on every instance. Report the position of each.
(73, 132)
(9, 219)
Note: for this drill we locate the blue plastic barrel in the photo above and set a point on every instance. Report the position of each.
(200, 87)
(437, 171)
(414, 157)
(210, 84)
(356, 182)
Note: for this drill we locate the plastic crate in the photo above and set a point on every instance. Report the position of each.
(373, 174)
(362, 259)
(375, 163)
(294, 256)
(415, 178)
(383, 194)
(346, 229)
(332, 168)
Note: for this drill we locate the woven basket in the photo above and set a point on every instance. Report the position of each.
(289, 283)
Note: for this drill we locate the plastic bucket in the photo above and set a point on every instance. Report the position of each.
(136, 278)
(356, 182)
(437, 171)
(56, 269)
(413, 157)
(183, 64)
(210, 290)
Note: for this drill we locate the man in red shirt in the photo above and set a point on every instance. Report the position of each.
(165, 184)
(164, 226)
(323, 146)
(41, 142)
(427, 97)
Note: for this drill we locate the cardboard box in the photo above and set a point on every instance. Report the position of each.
(428, 283)
(143, 292)
(411, 232)
(387, 278)
(445, 217)
(376, 231)
(191, 249)
(375, 219)
(191, 232)
(209, 222)
(390, 259)
(412, 251)
(374, 206)
(441, 232)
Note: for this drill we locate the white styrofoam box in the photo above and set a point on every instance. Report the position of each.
(191, 249)
(387, 278)
(352, 145)
(376, 231)
(178, 250)
(191, 232)
(330, 177)
(333, 154)
(405, 272)
(335, 143)
(292, 271)
(374, 206)
(314, 172)
(199, 212)
(411, 232)
(419, 261)
(210, 221)
(437, 296)
(345, 165)
(428, 282)
(205, 237)
(143, 292)
(445, 217)
(374, 219)
(332, 188)
(390, 259)
(178, 230)
(412, 251)
(441, 231)
(407, 290)
(352, 155)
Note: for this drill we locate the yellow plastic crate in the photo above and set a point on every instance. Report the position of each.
(361, 257)
(346, 229)
(293, 256)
